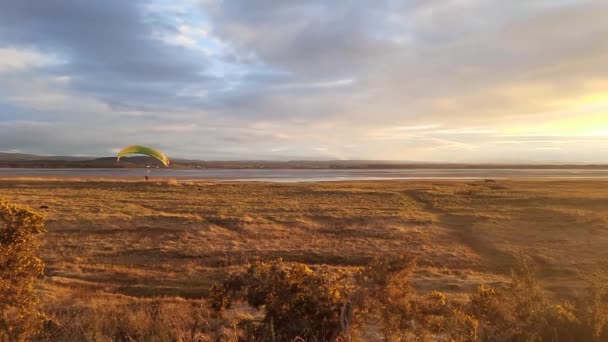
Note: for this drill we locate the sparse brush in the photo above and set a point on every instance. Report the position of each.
(168, 181)
(385, 298)
(585, 318)
(521, 311)
(130, 319)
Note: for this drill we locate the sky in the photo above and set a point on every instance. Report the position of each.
(410, 80)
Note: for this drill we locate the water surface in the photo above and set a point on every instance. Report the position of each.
(289, 175)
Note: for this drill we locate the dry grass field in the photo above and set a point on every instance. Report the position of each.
(136, 241)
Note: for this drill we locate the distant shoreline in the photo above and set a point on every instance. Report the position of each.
(308, 175)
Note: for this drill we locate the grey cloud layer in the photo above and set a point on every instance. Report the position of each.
(306, 78)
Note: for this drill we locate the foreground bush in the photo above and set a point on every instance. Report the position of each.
(307, 305)
(294, 302)
(19, 267)
(298, 302)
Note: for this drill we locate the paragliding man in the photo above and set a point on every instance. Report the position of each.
(143, 150)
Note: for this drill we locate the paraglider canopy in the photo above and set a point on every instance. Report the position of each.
(148, 151)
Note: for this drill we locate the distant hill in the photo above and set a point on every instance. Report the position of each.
(19, 160)
(4, 156)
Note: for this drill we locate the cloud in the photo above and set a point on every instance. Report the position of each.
(109, 48)
(457, 80)
(12, 59)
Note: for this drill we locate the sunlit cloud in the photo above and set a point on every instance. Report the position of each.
(320, 84)
(13, 59)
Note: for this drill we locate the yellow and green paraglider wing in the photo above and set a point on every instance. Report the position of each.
(137, 149)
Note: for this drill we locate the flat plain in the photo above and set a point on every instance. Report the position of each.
(136, 240)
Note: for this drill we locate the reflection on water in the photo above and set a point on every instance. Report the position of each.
(287, 175)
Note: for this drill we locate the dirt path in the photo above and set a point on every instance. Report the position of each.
(462, 228)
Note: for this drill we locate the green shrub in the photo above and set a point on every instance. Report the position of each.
(19, 267)
(385, 298)
(297, 301)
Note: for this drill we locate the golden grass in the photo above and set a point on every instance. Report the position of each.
(148, 239)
